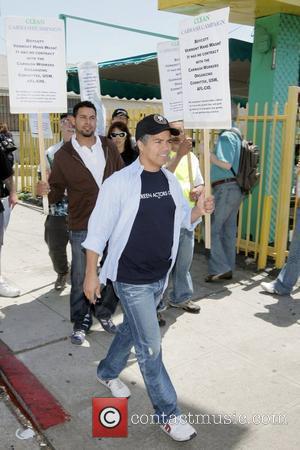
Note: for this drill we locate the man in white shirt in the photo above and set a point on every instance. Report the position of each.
(79, 168)
(142, 210)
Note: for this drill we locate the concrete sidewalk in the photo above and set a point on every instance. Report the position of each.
(237, 363)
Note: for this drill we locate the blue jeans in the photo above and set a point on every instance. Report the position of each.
(81, 311)
(290, 272)
(228, 198)
(57, 238)
(140, 329)
(78, 303)
(182, 289)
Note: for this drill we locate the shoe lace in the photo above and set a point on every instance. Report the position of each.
(79, 333)
(108, 322)
(118, 383)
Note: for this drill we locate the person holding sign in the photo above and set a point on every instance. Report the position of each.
(228, 196)
(79, 168)
(56, 227)
(289, 274)
(189, 176)
(142, 209)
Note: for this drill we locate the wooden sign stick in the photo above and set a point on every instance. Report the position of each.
(207, 187)
(189, 160)
(42, 160)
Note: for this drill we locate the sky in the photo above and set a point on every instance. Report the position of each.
(89, 42)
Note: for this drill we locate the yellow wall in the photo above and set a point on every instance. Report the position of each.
(241, 11)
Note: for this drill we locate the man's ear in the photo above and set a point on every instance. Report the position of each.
(140, 146)
(72, 120)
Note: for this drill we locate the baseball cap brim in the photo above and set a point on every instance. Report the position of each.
(120, 112)
(155, 129)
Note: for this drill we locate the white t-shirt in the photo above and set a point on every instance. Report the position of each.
(92, 157)
(51, 152)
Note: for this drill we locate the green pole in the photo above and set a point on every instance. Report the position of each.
(119, 27)
(63, 17)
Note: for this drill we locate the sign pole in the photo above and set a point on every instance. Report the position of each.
(42, 160)
(189, 161)
(207, 187)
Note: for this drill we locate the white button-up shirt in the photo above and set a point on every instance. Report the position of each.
(93, 158)
(115, 212)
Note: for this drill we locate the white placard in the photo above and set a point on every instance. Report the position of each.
(168, 57)
(204, 57)
(34, 129)
(89, 82)
(36, 64)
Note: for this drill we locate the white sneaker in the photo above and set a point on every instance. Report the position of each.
(179, 429)
(269, 287)
(8, 291)
(116, 386)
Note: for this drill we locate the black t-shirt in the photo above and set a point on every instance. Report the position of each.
(147, 255)
(5, 170)
(129, 156)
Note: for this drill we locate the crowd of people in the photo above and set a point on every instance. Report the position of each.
(128, 207)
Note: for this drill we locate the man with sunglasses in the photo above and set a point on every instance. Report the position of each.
(79, 168)
(120, 115)
(143, 209)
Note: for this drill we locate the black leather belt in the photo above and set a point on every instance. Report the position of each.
(228, 180)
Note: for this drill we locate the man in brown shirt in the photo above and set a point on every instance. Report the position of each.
(79, 168)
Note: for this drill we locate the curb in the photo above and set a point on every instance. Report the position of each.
(42, 408)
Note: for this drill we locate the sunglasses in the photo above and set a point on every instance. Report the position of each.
(121, 134)
(65, 122)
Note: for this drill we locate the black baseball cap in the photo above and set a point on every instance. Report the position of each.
(120, 112)
(68, 113)
(154, 124)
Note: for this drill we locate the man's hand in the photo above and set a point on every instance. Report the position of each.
(185, 146)
(206, 205)
(12, 199)
(209, 205)
(196, 192)
(91, 287)
(42, 188)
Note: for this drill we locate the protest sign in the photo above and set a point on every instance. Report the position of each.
(34, 129)
(36, 71)
(36, 65)
(168, 57)
(89, 83)
(204, 58)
